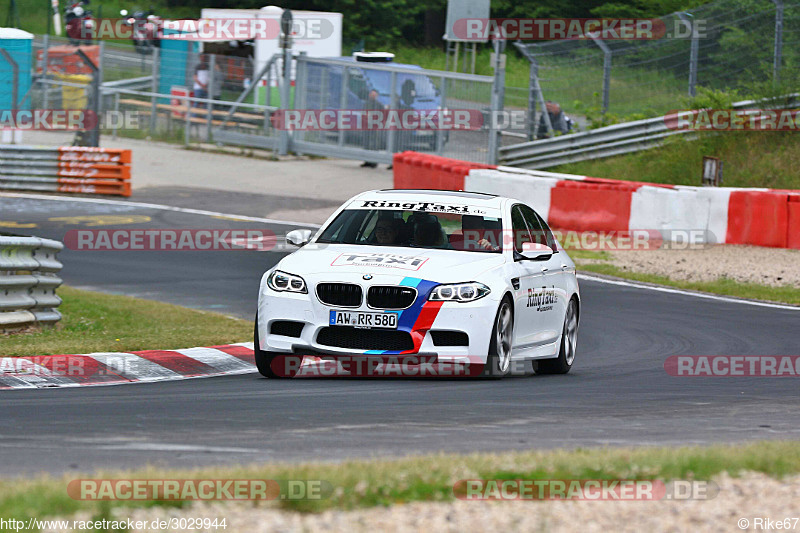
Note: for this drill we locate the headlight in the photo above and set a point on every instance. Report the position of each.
(285, 282)
(459, 292)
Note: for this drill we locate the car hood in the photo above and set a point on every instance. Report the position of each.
(443, 266)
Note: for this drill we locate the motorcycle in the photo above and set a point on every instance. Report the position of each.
(78, 22)
(145, 30)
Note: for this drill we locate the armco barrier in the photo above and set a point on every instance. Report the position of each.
(71, 169)
(759, 217)
(413, 170)
(793, 223)
(28, 281)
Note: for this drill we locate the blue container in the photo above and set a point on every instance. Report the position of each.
(176, 63)
(18, 44)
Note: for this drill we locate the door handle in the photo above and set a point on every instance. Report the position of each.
(564, 265)
(545, 269)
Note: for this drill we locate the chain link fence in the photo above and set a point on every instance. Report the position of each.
(345, 84)
(745, 46)
(179, 94)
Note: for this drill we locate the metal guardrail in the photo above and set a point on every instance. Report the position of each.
(143, 82)
(594, 144)
(28, 281)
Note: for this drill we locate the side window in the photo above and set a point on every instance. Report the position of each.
(539, 230)
(519, 228)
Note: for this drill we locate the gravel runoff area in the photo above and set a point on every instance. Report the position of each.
(746, 264)
(748, 497)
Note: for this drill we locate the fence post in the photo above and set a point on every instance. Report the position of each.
(94, 137)
(211, 85)
(498, 95)
(342, 100)
(606, 72)
(440, 134)
(116, 112)
(100, 53)
(533, 96)
(46, 96)
(100, 106)
(154, 88)
(285, 93)
(391, 141)
(778, 53)
(187, 120)
(693, 53)
(300, 88)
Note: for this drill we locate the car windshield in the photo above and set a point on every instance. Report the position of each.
(415, 229)
(382, 82)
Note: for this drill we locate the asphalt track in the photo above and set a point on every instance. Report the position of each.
(617, 394)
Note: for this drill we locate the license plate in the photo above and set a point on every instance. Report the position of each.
(364, 320)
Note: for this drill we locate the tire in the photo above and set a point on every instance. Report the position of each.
(498, 360)
(569, 340)
(266, 361)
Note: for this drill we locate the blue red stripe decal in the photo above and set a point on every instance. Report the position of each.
(418, 318)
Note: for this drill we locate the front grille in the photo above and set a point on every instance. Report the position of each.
(365, 339)
(339, 294)
(287, 328)
(390, 297)
(449, 338)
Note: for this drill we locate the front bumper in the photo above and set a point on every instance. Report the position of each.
(473, 318)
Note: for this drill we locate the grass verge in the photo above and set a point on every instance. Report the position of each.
(358, 484)
(752, 159)
(722, 286)
(97, 322)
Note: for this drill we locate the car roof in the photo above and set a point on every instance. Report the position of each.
(367, 64)
(435, 195)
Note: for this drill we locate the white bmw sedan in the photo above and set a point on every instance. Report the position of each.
(456, 277)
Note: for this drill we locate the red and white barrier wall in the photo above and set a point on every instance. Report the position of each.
(759, 217)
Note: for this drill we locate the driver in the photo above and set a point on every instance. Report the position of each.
(387, 230)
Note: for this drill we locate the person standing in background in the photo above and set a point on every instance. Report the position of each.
(200, 86)
(558, 120)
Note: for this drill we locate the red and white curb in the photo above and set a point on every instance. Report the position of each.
(115, 368)
(119, 368)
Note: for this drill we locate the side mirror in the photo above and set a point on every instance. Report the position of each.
(298, 237)
(533, 251)
(123, 12)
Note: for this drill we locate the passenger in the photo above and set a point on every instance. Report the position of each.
(476, 234)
